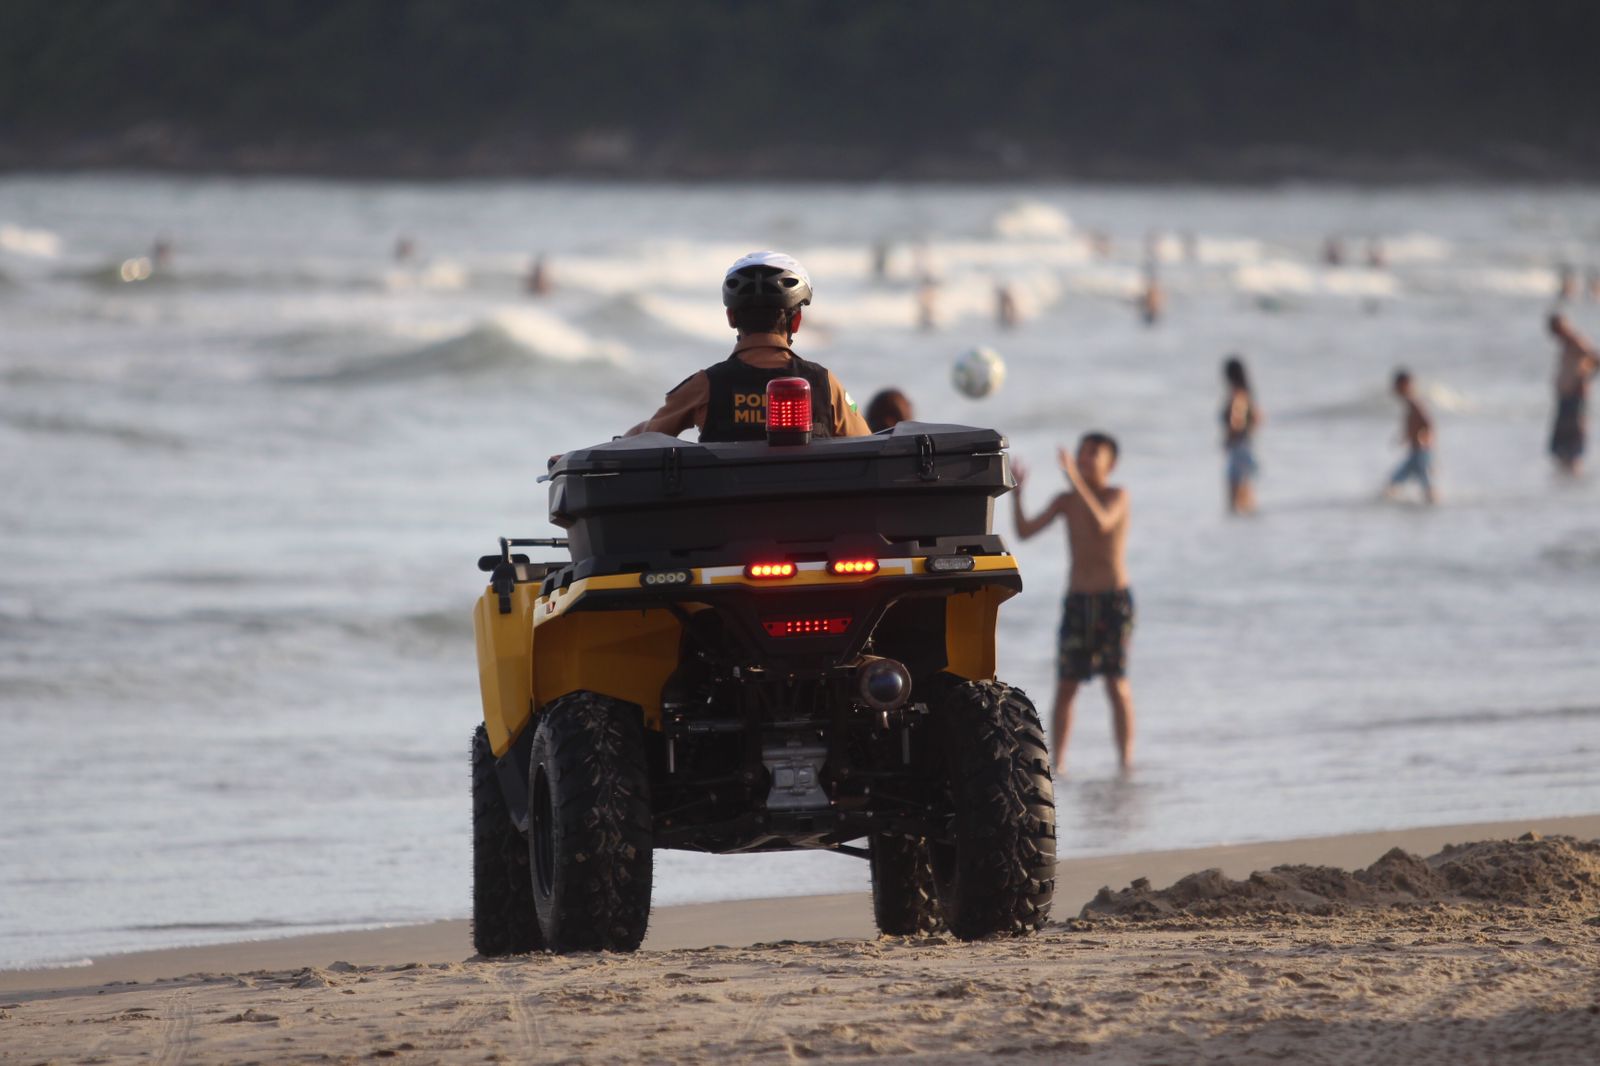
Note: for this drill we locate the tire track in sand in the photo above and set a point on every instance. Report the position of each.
(177, 1024)
(763, 1010)
(524, 1014)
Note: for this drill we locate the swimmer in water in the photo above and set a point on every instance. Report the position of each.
(888, 409)
(1416, 433)
(1005, 307)
(1152, 298)
(1566, 283)
(1333, 252)
(538, 280)
(927, 304)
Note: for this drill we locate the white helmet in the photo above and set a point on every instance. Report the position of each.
(766, 279)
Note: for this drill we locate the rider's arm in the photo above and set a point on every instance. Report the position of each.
(684, 406)
(847, 421)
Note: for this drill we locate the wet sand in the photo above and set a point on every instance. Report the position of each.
(1486, 954)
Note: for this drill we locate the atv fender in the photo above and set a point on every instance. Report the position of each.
(969, 636)
(505, 663)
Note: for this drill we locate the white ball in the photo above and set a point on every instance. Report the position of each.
(978, 373)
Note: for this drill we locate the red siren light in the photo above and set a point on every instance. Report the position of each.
(769, 570)
(854, 567)
(789, 411)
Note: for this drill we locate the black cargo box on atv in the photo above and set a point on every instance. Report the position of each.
(651, 495)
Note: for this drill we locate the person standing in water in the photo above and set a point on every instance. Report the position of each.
(1152, 297)
(1240, 420)
(1006, 314)
(1097, 617)
(1576, 364)
(537, 282)
(1566, 283)
(1416, 432)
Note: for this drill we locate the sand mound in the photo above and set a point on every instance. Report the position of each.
(1531, 871)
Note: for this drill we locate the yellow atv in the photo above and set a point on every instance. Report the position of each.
(758, 647)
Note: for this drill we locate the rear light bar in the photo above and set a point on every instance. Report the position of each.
(951, 564)
(770, 571)
(853, 566)
(789, 411)
(808, 627)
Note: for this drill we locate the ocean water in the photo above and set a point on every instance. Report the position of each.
(244, 497)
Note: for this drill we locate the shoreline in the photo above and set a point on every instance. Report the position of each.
(1484, 952)
(743, 923)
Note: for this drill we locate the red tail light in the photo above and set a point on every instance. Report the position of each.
(854, 567)
(808, 627)
(789, 411)
(767, 571)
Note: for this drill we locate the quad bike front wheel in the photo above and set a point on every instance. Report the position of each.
(589, 826)
(502, 886)
(903, 902)
(994, 873)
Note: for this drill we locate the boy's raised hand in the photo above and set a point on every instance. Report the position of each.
(1019, 471)
(1069, 466)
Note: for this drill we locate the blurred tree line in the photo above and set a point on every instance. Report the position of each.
(1160, 81)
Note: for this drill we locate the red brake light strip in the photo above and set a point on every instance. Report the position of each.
(807, 627)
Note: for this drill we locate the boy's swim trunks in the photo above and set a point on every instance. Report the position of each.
(1095, 629)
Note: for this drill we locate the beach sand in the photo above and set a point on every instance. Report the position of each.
(1483, 954)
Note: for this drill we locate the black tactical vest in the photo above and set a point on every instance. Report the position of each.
(737, 409)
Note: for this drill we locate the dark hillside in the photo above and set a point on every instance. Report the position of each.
(826, 88)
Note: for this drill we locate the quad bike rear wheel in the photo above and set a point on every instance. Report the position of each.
(903, 901)
(503, 922)
(589, 827)
(994, 875)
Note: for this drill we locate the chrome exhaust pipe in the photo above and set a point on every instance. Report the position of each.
(883, 684)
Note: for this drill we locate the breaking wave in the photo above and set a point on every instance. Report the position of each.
(1030, 219)
(1380, 403)
(38, 243)
(506, 341)
(74, 426)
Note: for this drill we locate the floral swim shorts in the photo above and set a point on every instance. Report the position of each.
(1095, 630)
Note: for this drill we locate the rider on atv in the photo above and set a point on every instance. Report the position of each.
(765, 294)
(781, 638)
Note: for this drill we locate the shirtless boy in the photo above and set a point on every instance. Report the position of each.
(1097, 620)
(1416, 432)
